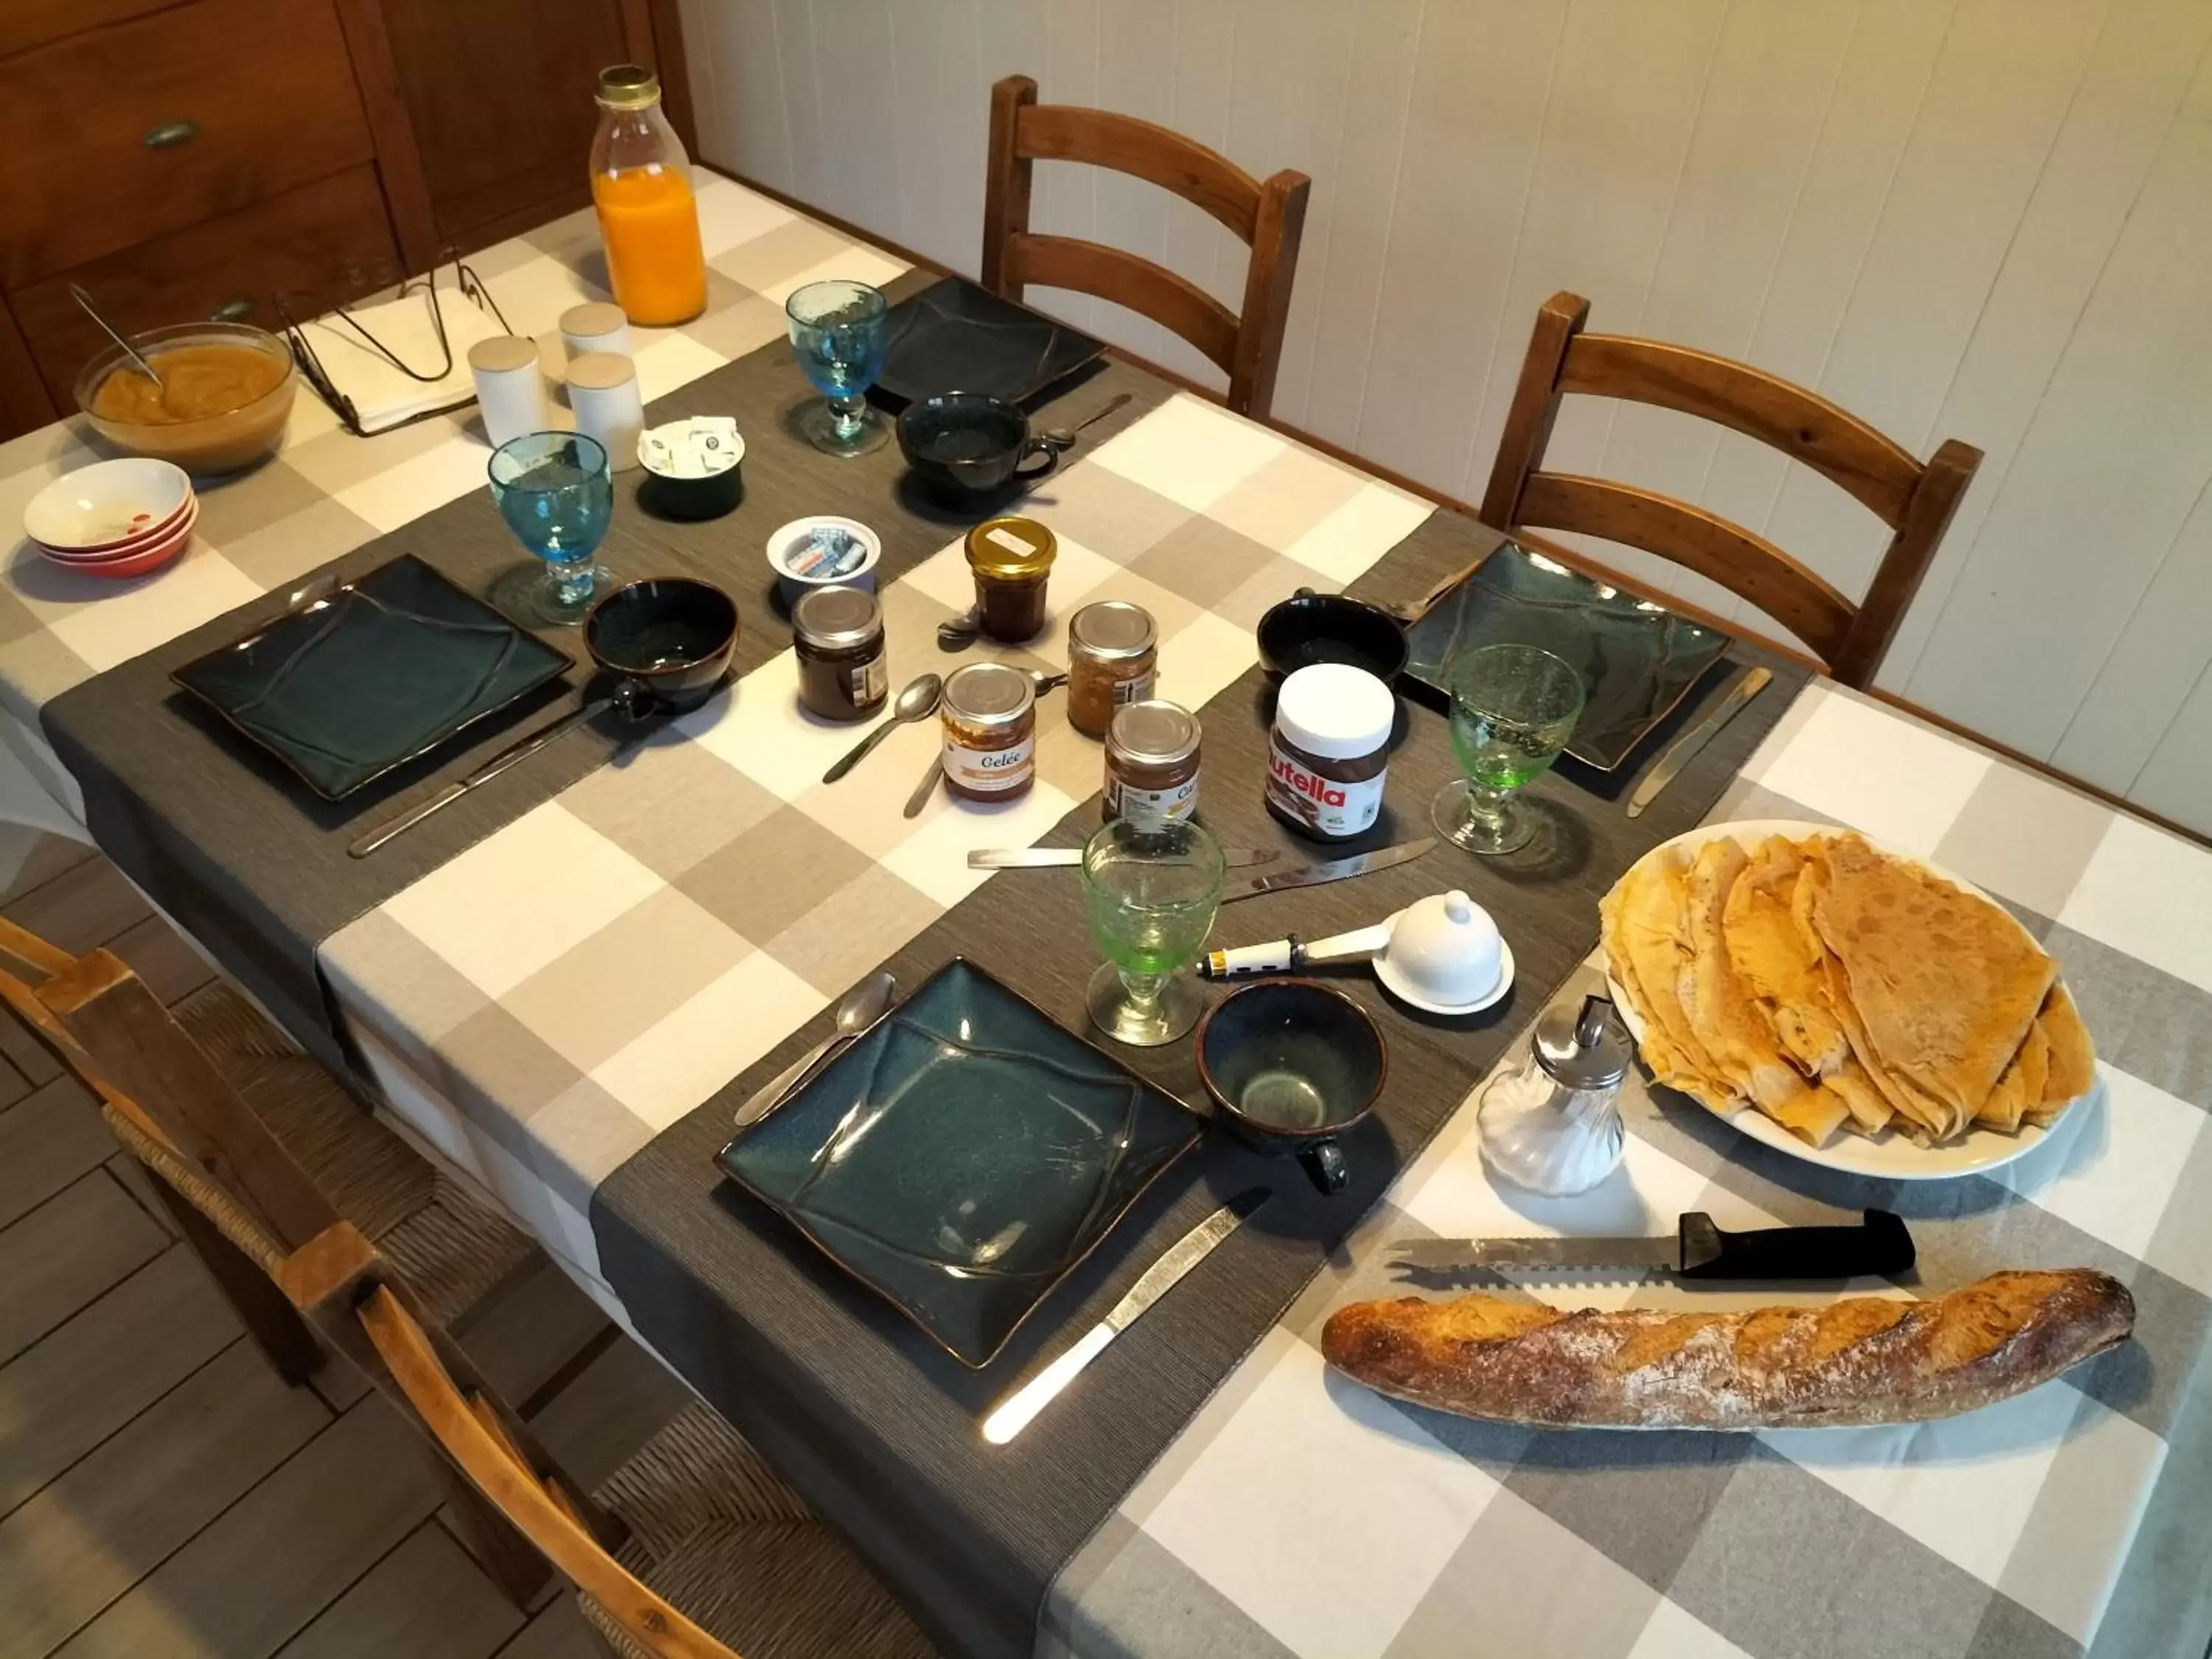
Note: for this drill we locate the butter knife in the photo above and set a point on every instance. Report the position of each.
(1316, 875)
(1686, 747)
(1050, 858)
(1014, 1414)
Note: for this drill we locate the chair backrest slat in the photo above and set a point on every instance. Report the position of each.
(1268, 215)
(1915, 501)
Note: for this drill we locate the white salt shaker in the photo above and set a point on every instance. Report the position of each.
(510, 389)
(594, 326)
(1553, 1123)
(604, 395)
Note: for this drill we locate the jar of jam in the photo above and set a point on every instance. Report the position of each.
(1330, 750)
(1151, 764)
(989, 714)
(1010, 559)
(1112, 649)
(837, 634)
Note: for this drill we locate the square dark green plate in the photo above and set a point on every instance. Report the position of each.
(955, 337)
(1637, 659)
(371, 676)
(961, 1156)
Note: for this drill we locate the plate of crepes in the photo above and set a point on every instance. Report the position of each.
(1843, 1003)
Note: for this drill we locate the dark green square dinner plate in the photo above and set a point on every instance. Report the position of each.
(371, 676)
(1637, 659)
(961, 1156)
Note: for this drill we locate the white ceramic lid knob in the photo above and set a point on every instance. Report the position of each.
(1460, 907)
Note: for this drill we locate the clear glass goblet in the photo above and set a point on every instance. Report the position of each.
(1151, 889)
(841, 331)
(557, 494)
(1513, 710)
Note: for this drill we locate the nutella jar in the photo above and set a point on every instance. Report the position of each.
(989, 715)
(1330, 750)
(1010, 559)
(1112, 647)
(837, 635)
(1151, 764)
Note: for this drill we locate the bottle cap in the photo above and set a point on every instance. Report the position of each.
(628, 86)
(1582, 1046)
(1334, 711)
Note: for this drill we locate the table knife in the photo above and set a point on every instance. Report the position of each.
(1686, 747)
(1013, 1415)
(484, 773)
(1879, 1246)
(1050, 857)
(1315, 875)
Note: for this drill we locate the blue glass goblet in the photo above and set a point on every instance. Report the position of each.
(557, 494)
(840, 331)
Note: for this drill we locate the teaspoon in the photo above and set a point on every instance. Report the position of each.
(917, 699)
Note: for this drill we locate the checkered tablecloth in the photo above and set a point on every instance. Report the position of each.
(546, 1003)
(1300, 1513)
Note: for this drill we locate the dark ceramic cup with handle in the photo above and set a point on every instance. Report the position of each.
(1291, 1065)
(673, 636)
(965, 446)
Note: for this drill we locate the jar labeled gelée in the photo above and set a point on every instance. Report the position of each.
(989, 715)
(1010, 559)
(837, 635)
(1151, 764)
(1112, 649)
(1330, 750)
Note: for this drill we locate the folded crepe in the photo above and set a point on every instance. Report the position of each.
(1645, 943)
(1944, 984)
(1720, 1011)
(2072, 1070)
(1779, 965)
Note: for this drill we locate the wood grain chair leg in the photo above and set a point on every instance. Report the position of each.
(512, 1562)
(284, 1339)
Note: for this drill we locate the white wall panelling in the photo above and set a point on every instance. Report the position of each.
(1982, 219)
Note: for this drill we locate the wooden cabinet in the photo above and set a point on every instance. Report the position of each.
(184, 161)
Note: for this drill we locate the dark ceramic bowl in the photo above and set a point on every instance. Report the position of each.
(1293, 1064)
(1309, 628)
(672, 634)
(963, 444)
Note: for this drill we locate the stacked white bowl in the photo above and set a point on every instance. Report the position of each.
(114, 519)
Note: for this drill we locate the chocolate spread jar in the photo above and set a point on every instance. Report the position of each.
(1010, 559)
(837, 635)
(1330, 750)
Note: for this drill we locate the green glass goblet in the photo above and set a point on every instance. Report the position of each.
(1513, 710)
(1151, 889)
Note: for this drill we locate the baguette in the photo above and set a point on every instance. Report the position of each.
(1863, 1360)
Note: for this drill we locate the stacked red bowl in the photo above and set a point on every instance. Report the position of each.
(114, 519)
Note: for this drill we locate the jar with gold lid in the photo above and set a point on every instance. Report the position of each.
(837, 635)
(1151, 764)
(1010, 559)
(988, 712)
(1113, 647)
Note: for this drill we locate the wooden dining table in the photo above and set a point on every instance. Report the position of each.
(562, 988)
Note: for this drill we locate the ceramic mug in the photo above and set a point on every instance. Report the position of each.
(1292, 1064)
(964, 445)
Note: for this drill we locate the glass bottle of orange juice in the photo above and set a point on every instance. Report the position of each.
(641, 188)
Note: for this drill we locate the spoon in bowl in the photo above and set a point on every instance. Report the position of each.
(917, 699)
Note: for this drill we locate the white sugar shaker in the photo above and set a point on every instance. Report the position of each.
(595, 325)
(604, 395)
(510, 387)
(1553, 1123)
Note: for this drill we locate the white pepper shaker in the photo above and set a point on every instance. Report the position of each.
(603, 392)
(595, 325)
(510, 387)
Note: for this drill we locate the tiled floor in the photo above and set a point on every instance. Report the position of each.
(163, 1495)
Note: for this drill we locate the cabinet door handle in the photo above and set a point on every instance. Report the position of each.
(232, 311)
(170, 134)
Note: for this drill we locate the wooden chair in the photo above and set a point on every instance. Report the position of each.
(1268, 217)
(696, 1512)
(1915, 501)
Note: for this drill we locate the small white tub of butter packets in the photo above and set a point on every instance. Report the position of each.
(696, 466)
(824, 551)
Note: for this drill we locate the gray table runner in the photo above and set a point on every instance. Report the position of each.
(877, 1426)
(255, 866)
